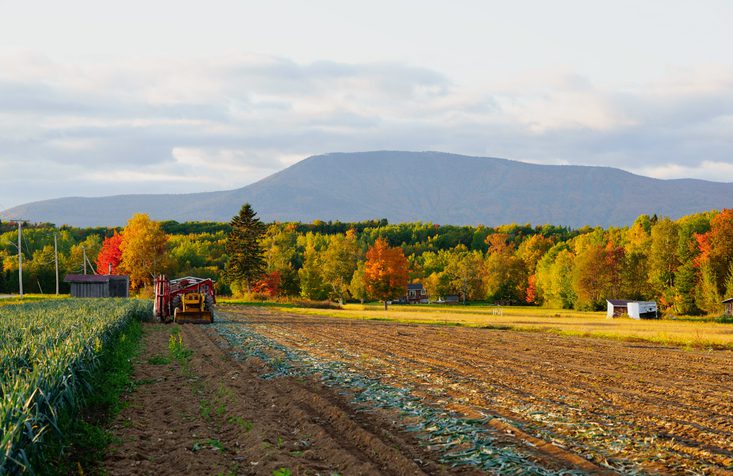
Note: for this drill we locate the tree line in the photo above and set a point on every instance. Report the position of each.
(686, 265)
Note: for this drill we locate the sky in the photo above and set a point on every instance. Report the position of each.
(103, 98)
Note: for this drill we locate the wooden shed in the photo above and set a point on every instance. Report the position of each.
(728, 303)
(98, 285)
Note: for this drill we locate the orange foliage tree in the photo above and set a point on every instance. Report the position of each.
(385, 271)
(269, 284)
(720, 240)
(110, 254)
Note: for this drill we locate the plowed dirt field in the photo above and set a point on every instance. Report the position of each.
(633, 407)
(213, 415)
(264, 391)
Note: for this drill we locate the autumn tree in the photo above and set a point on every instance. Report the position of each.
(707, 295)
(596, 275)
(312, 283)
(339, 263)
(386, 271)
(531, 251)
(246, 261)
(75, 261)
(144, 250)
(110, 255)
(687, 275)
(729, 282)
(433, 265)
(663, 260)
(465, 273)
(555, 278)
(268, 284)
(506, 273)
(280, 250)
(720, 239)
(357, 286)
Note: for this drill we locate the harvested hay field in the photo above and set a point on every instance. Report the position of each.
(555, 403)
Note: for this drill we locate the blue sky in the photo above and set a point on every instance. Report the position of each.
(100, 98)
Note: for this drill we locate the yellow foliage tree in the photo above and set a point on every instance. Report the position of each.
(144, 250)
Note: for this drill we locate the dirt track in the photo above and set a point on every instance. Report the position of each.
(215, 415)
(628, 406)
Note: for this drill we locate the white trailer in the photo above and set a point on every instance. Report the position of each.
(642, 309)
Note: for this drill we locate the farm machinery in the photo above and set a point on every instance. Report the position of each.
(184, 300)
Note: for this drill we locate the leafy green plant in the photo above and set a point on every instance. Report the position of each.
(176, 348)
(282, 472)
(246, 425)
(49, 354)
(205, 409)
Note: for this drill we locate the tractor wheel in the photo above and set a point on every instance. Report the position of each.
(176, 303)
(209, 304)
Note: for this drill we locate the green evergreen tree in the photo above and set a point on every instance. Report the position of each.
(246, 261)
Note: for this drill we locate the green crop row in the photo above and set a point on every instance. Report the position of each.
(48, 353)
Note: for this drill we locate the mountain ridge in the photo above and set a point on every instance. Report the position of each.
(411, 186)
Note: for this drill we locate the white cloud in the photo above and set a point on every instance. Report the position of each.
(163, 125)
(706, 170)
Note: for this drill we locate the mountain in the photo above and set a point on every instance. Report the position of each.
(412, 186)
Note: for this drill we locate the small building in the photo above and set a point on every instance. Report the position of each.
(728, 303)
(452, 299)
(633, 309)
(416, 294)
(449, 299)
(98, 285)
(616, 307)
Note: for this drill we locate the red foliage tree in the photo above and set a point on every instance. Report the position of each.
(110, 254)
(704, 248)
(269, 284)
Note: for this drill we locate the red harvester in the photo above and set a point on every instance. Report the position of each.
(184, 300)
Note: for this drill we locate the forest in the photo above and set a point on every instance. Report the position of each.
(685, 265)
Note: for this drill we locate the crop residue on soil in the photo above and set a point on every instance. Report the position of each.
(211, 414)
(621, 405)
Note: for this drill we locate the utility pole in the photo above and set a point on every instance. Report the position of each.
(20, 259)
(84, 250)
(56, 261)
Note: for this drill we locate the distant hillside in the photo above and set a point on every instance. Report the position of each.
(412, 186)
